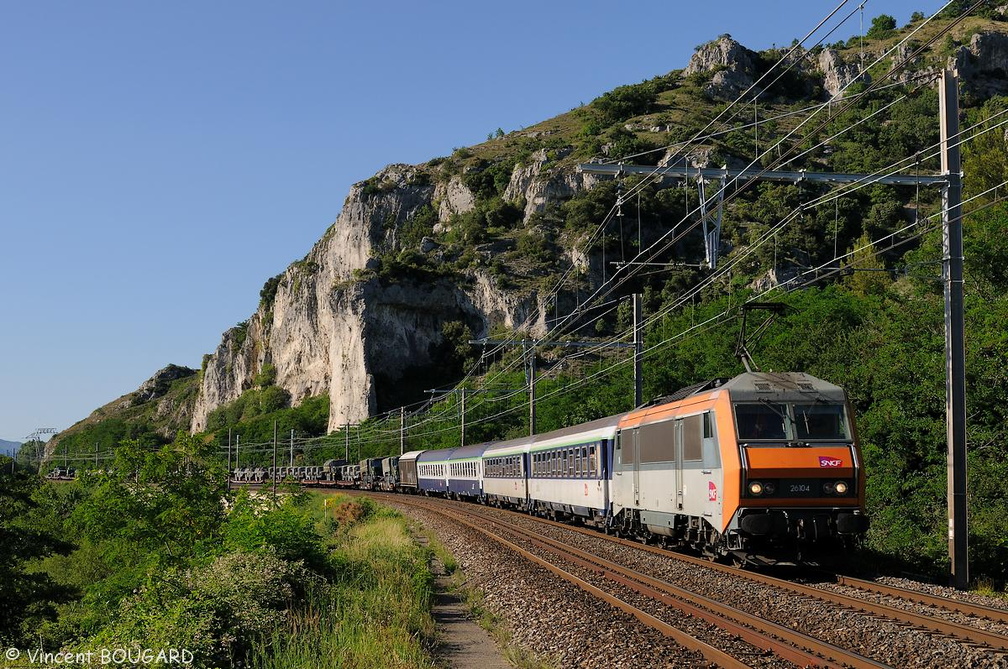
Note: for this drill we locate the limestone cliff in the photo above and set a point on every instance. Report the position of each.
(363, 317)
(336, 327)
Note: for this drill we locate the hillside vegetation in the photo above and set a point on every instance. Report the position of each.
(860, 274)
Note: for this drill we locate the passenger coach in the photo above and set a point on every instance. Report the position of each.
(569, 471)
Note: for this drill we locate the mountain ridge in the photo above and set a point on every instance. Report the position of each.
(422, 257)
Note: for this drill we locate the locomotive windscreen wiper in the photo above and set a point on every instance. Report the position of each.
(773, 407)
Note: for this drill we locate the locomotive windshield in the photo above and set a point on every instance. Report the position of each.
(820, 421)
(765, 420)
(760, 421)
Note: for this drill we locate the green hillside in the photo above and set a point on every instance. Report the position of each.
(860, 274)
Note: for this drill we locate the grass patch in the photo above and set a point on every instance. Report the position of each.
(375, 612)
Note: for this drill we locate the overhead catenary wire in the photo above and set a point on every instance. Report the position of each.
(768, 231)
(421, 405)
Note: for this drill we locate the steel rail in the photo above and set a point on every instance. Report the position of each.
(955, 630)
(684, 639)
(955, 605)
(795, 647)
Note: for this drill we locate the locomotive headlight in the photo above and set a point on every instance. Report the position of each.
(755, 488)
(840, 487)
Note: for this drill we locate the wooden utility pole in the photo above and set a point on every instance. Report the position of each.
(955, 352)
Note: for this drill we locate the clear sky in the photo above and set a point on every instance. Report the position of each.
(160, 160)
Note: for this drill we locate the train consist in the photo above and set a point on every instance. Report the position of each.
(763, 468)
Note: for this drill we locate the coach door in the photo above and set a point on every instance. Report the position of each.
(636, 465)
(679, 463)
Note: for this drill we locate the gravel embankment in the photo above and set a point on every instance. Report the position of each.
(561, 622)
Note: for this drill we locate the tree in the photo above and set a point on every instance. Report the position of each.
(867, 274)
(165, 501)
(882, 26)
(24, 594)
(985, 157)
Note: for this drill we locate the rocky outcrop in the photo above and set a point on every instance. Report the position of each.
(157, 386)
(336, 326)
(538, 184)
(983, 64)
(453, 197)
(733, 67)
(837, 74)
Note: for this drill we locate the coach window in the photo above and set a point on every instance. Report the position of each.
(592, 470)
(584, 461)
(570, 462)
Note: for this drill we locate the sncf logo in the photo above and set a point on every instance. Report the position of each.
(830, 462)
(711, 492)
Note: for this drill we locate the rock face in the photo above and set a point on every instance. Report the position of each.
(342, 326)
(837, 74)
(983, 65)
(733, 65)
(335, 328)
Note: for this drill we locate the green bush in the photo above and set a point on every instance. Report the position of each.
(287, 530)
(217, 612)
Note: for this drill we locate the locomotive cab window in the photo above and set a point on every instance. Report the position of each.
(820, 421)
(765, 420)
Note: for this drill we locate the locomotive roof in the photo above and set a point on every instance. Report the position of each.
(782, 386)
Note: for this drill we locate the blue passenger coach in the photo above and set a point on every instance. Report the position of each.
(432, 471)
(465, 472)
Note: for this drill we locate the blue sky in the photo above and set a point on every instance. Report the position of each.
(160, 160)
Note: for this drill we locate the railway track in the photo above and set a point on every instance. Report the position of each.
(591, 572)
